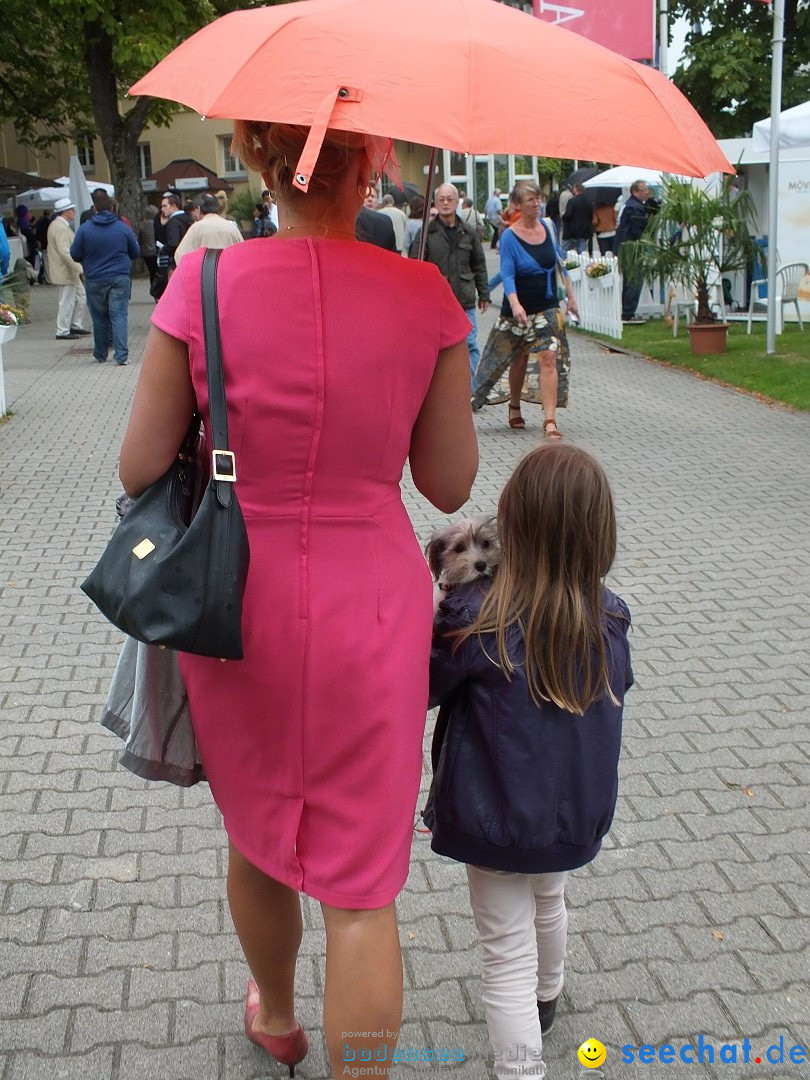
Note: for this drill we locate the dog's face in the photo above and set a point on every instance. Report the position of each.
(464, 551)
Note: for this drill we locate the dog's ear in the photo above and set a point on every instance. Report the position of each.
(434, 550)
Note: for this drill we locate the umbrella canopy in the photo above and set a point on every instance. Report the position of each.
(794, 130)
(579, 176)
(355, 65)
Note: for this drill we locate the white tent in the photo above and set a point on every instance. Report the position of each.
(624, 176)
(91, 184)
(40, 198)
(794, 130)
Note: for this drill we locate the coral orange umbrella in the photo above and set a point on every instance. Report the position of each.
(472, 76)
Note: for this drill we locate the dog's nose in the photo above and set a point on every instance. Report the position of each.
(480, 566)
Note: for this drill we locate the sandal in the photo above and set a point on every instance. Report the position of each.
(556, 434)
(516, 421)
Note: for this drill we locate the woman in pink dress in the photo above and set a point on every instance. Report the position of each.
(342, 362)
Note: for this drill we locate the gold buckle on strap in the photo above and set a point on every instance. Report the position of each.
(224, 465)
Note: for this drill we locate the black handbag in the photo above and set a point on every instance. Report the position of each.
(171, 576)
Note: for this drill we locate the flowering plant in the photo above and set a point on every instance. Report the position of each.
(10, 316)
(598, 269)
(571, 263)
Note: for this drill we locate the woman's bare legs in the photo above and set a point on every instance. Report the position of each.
(517, 376)
(363, 986)
(548, 392)
(267, 917)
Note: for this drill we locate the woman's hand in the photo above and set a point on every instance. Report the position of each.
(519, 312)
(573, 307)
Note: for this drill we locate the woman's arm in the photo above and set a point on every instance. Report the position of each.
(444, 447)
(508, 271)
(161, 413)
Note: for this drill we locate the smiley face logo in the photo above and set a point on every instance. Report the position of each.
(592, 1054)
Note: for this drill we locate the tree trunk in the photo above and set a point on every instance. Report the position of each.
(704, 312)
(119, 134)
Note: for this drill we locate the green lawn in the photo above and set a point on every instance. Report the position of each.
(784, 377)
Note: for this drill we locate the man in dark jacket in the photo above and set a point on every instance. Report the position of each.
(180, 221)
(577, 221)
(374, 228)
(105, 247)
(459, 254)
(90, 211)
(631, 226)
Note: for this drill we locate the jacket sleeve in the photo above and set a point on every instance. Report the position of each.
(508, 262)
(77, 247)
(413, 250)
(448, 664)
(172, 237)
(133, 247)
(478, 265)
(5, 251)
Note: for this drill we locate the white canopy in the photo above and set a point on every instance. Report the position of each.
(794, 129)
(91, 184)
(40, 198)
(624, 176)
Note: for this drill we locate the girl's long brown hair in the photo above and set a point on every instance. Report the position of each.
(557, 532)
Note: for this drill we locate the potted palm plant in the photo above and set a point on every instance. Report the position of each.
(691, 240)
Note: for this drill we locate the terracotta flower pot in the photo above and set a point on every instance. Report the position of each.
(707, 339)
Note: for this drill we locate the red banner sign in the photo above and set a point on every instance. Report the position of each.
(625, 26)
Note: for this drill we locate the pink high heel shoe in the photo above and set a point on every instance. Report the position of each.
(286, 1049)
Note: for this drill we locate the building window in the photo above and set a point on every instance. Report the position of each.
(231, 164)
(85, 151)
(144, 159)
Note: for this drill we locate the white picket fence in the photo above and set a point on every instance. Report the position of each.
(599, 299)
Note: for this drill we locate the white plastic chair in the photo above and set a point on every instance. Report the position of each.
(787, 292)
(680, 300)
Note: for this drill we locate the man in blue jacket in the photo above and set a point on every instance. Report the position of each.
(631, 225)
(106, 246)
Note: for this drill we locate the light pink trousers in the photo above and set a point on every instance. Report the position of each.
(522, 925)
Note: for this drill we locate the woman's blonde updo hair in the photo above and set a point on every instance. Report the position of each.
(273, 151)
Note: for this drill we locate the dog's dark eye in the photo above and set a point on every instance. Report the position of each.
(485, 543)
(459, 548)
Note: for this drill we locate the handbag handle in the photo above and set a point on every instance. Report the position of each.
(223, 472)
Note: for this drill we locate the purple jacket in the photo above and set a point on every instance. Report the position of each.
(516, 787)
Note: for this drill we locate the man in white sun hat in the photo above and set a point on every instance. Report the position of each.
(66, 274)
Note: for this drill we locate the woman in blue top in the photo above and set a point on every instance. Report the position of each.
(530, 320)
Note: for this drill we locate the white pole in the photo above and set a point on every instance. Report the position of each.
(663, 37)
(773, 171)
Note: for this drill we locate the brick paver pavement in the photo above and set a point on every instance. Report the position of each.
(118, 956)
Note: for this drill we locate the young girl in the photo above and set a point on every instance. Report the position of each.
(530, 672)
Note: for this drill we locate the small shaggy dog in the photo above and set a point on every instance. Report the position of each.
(462, 552)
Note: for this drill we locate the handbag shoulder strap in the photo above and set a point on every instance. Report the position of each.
(223, 472)
(551, 229)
